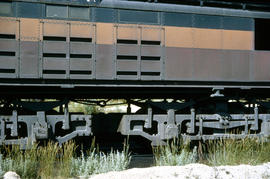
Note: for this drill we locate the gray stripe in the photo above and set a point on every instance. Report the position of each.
(32, 10)
(183, 9)
(177, 19)
(238, 23)
(206, 21)
(161, 7)
(105, 15)
(138, 17)
(109, 15)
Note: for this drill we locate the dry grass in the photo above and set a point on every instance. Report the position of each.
(54, 161)
(251, 151)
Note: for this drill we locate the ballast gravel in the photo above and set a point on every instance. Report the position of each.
(192, 171)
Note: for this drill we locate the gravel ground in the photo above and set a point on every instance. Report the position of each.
(192, 171)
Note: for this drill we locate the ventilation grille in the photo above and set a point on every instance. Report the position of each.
(7, 36)
(126, 57)
(150, 42)
(143, 42)
(80, 39)
(7, 70)
(63, 57)
(7, 53)
(136, 61)
(54, 38)
(80, 72)
(124, 41)
(8, 60)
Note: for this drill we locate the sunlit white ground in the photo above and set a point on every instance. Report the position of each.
(192, 171)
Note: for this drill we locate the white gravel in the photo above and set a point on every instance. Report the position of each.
(11, 175)
(192, 171)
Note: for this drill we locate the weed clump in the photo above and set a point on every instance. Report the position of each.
(175, 153)
(252, 151)
(25, 163)
(52, 161)
(98, 162)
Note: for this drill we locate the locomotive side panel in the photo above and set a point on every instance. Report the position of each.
(29, 47)
(127, 52)
(261, 63)
(82, 50)
(105, 61)
(212, 40)
(127, 45)
(9, 48)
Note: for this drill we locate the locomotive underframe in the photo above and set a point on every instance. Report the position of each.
(38, 127)
(169, 126)
(190, 119)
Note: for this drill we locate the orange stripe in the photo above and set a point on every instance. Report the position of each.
(209, 38)
(108, 33)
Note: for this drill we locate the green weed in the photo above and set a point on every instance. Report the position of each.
(54, 161)
(98, 162)
(251, 151)
(175, 153)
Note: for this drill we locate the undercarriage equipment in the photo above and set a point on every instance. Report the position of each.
(195, 126)
(42, 126)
